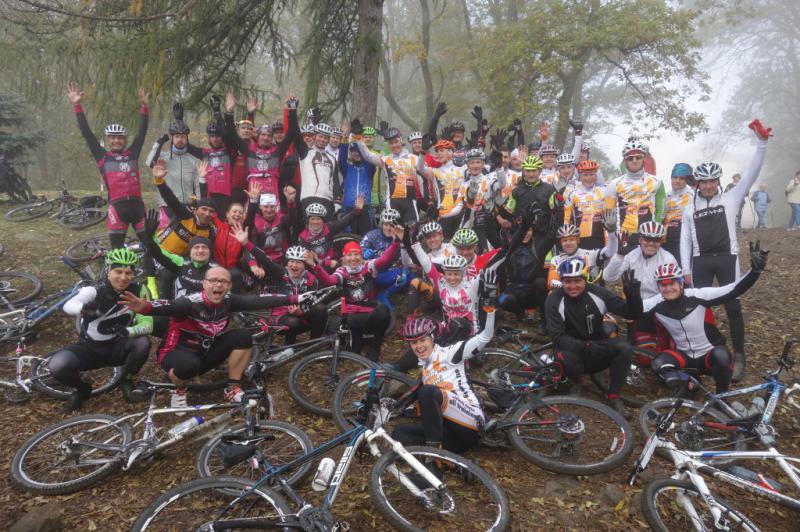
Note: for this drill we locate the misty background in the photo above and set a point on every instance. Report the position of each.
(686, 75)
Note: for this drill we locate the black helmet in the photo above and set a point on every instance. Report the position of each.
(178, 127)
(212, 129)
(458, 126)
(391, 133)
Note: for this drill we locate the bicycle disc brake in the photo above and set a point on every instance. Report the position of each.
(438, 500)
(571, 429)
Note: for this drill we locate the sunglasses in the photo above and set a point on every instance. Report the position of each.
(632, 158)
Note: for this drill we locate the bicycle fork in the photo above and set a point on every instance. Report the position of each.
(409, 458)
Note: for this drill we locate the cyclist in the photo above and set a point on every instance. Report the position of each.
(272, 229)
(709, 248)
(450, 411)
(317, 235)
(119, 168)
(394, 280)
(584, 206)
(357, 164)
(357, 278)
(449, 180)
(465, 242)
(575, 313)
(483, 195)
(688, 336)
(638, 196)
(569, 242)
(562, 180)
(403, 184)
(525, 285)
(335, 141)
(218, 181)
(195, 342)
(110, 335)
(548, 154)
(677, 200)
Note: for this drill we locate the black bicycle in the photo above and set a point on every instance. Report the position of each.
(70, 210)
(13, 184)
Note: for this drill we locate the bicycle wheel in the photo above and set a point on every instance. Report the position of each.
(641, 385)
(8, 373)
(288, 443)
(30, 211)
(470, 500)
(571, 435)
(95, 247)
(102, 379)
(340, 239)
(665, 502)
(491, 366)
(352, 391)
(51, 464)
(334, 306)
(312, 381)
(18, 287)
(692, 432)
(197, 504)
(82, 217)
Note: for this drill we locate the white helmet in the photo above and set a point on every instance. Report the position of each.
(390, 216)
(323, 129)
(415, 135)
(430, 228)
(707, 172)
(652, 230)
(336, 132)
(634, 145)
(316, 209)
(116, 129)
(295, 253)
(565, 158)
(454, 262)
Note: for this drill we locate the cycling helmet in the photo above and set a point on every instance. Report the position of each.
(666, 272)
(548, 149)
(454, 262)
(532, 162)
(572, 268)
(116, 129)
(458, 126)
(295, 253)
(418, 328)
(567, 230)
(121, 257)
(444, 145)
(316, 209)
(264, 128)
(430, 228)
(245, 123)
(475, 153)
(564, 159)
(178, 127)
(369, 131)
(391, 133)
(459, 157)
(707, 172)
(308, 129)
(212, 129)
(277, 126)
(415, 135)
(390, 216)
(588, 166)
(465, 238)
(323, 129)
(336, 132)
(682, 170)
(634, 146)
(652, 230)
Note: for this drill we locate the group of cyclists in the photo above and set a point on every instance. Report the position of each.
(461, 225)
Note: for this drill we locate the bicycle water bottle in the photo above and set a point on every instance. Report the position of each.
(184, 426)
(323, 476)
(283, 355)
(752, 476)
(756, 407)
(740, 409)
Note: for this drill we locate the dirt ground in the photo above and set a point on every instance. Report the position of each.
(539, 499)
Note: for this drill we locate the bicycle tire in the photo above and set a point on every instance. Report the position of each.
(82, 217)
(92, 248)
(30, 211)
(286, 435)
(642, 384)
(23, 480)
(612, 441)
(732, 517)
(334, 306)
(345, 405)
(6, 286)
(221, 489)
(340, 239)
(460, 475)
(323, 381)
(685, 438)
(42, 382)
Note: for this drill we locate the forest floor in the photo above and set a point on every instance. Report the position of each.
(539, 499)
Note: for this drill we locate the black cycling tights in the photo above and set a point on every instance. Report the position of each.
(374, 323)
(313, 320)
(717, 362)
(187, 364)
(435, 429)
(613, 354)
(67, 363)
(724, 268)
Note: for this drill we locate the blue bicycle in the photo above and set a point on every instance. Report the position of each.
(414, 488)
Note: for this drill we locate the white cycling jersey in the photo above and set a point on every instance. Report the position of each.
(644, 268)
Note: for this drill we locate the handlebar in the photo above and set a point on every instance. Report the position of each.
(74, 266)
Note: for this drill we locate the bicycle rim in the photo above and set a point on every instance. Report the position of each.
(82, 217)
(102, 379)
(18, 287)
(352, 391)
(29, 212)
(641, 385)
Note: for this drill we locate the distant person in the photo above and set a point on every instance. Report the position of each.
(736, 178)
(761, 201)
(793, 198)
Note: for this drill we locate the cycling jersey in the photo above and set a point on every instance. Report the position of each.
(402, 182)
(639, 198)
(437, 256)
(111, 314)
(358, 177)
(189, 274)
(483, 192)
(279, 282)
(321, 243)
(120, 170)
(583, 207)
(319, 170)
(220, 166)
(452, 189)
(445, 369)
(272, 236)
(676, 202)
(183, 227)
(591, 258)
(644, 268)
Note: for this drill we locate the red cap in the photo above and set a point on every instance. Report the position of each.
(351, 247)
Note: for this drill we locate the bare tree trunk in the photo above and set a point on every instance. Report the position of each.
(423, 59)
(389, 96)
(565, 105)
(366, 63)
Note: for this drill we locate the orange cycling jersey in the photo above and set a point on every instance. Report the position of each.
(402, 180)
(584, 208)
(639, 200)
(450, 180)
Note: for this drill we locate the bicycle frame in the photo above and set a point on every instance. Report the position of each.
(22, 362)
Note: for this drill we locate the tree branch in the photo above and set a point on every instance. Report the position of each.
(389, 96)
(63, 11)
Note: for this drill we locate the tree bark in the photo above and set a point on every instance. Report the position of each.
(366, 62)
(423, 59)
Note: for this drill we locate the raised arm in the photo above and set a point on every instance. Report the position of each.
(294, 128)
(75, 94)
(475, 344)
(141, 133)
(75, 304)
(739, 191)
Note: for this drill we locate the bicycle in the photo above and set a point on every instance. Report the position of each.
(685, 502)
(18, 287)
(412, 487)
(93, 446)
(13, 184)
(717, 424)
(72, 211)
(95, 247)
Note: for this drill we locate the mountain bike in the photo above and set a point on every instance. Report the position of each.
(80, 451)
(414, 488)
(685, 502)
(95, 247)
(13, 184)
(18, 287)
(71, 211)
(720, 424)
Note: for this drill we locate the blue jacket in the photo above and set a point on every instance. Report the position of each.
(357, 177)
(374, 243)
(760, 200)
